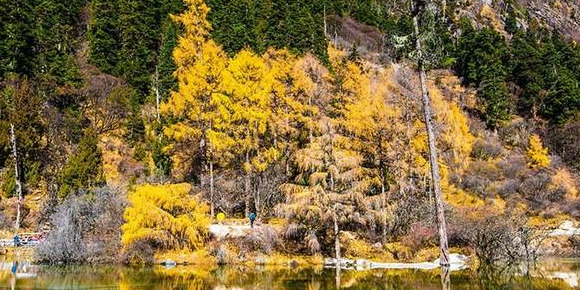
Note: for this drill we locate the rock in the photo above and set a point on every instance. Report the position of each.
(570, 278)
(456, 261)
(260, 261)
(378, 245)
(168, 262)
(362, 263)
(566, 229)
(329, 262)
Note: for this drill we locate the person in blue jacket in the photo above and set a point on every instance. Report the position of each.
(16, 240)
(252, 218)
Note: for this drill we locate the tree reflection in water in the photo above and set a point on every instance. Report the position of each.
(209, 277)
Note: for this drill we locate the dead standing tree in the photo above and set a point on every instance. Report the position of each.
(17, 178)
(418, 7)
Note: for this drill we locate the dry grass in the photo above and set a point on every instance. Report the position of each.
(187, 257)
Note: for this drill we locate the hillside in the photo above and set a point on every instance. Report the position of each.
(149, 117)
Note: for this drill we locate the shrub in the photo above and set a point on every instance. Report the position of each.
(263, 239)
(165, 216)
(484, 150)
(85, 228)
(497, 236)
(419, 237)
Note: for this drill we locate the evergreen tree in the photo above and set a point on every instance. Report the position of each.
(22, 107)
(16, 32)
(104, 35)
(525, 61)
(166, 65)
(494, 99)
(84, 169)
(562, 101)
(139, 34)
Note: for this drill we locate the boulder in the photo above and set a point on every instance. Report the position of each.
(168, 263)
(260, 261)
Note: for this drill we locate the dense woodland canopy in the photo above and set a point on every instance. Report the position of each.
(282, 108)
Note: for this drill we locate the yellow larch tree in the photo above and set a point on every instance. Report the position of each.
(198, 112)
(166, 216)
(374, 125)
(296, 83)
(328, 190)
(248, 84)
(537, 155)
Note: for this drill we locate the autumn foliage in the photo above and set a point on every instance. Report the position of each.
(166, 216)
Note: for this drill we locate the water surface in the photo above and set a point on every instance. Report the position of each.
(549, 274)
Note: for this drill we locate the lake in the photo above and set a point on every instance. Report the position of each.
(548, 274)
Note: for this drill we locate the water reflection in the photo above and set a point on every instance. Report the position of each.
(192, 277)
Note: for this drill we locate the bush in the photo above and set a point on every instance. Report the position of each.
(263, 239)
(484, 150)
(497, 236)
(479, 176)
(419, 237)
(165, 216)
(85, 228)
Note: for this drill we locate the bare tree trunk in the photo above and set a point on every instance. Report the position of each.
(257, 197)
(157, 95)
(247, 184)
(337, 276)
(433, 158)
(16, 178)
(336, 236)
(384, 201)
(211, 187)
(336, 246)
(445, 278)
(310, 137)
(325, 25)
(443, 10)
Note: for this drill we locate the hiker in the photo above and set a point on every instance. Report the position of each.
(16, 240)
(252, 219)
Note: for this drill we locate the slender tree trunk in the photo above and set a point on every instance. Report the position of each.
(445, 278)
(433, 158)
(325, 26)
(443, 10)
(157, 95)
(384, 201)
(211, 181)
(384, 197)
(337, 277)
(16, 178)
(310, 135)
(336, 236)
(247, 185)
(257, 198)
(336, 246)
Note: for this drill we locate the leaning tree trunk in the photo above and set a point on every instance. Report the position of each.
(16, 178)
(433, 159)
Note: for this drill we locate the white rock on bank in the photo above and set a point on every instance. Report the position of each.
(565, 229)
(570, 278)
(456, 261)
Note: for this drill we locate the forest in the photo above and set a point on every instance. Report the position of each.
(135, 123)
